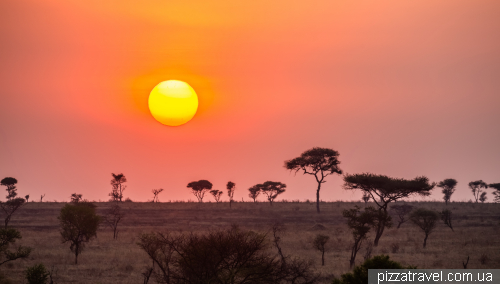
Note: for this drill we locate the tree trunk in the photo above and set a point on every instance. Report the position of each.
(230, 202)
(317, 197)
(425, 240)
(323, 258)
(380, 230)
(76, 256)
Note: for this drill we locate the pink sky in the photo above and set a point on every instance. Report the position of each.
(401, 88)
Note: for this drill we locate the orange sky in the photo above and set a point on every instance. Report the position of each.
(402, 88)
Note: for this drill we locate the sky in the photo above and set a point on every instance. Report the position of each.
(400, 88)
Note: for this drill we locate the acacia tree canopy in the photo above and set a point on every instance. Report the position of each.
(477, 188)
(448, 186)
(199, 188)
(272, 189)
(496, 186)
(319, 162)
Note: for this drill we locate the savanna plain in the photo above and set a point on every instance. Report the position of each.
(476, 236)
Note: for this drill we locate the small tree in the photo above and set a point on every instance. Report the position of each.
(360, 224)
(319, 162)
(383, 190)
(402, 211)
(155, 193)
(118, 187)
(199, 188)
(448, 186)
(10, 183)
(79, 224)
(477, 188)
(216, 193)
(27, 197)
(8, 236)
(37, 274)
(319, 243)
(75, 198)
(254, 192)
(483, 197)
(496, 193)
(365, 198)
(231, 187)
(41, 197)
(272, 189)
(113, 218)
(447, 217)
(426, 220)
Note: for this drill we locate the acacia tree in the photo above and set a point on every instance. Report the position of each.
(118, 187)
(483, 197)
(477, 188)
(365, 198)
(402, 211)
(272, 189)
(216, 193)
(199, 188)
(254, 192)
(113, 218)
(79, 224)
(319, 162)
(319, 243)
(426, 220)
(231, 187)
(496, 193)
(384, 190)
(360, 224)
(155, 193)
(13, 203)
(75, 198)
(8, 236)
(447, 217)
(448, 185)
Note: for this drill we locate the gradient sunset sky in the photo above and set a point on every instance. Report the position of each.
(401, 88)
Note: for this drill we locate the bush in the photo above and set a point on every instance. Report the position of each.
(360, 273)
(37, 274)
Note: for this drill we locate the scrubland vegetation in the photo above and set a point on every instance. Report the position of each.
(105, 259)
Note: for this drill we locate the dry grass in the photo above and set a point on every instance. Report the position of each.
(104, 260)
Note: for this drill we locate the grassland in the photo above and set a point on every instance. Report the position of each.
(104, 260)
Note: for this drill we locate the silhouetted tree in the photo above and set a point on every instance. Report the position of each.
(199, 188)
(13, 203)
(254, 192)
(360, 224)
(496, 193)
(231, 187)
(319, 162)
(79, 224)
(402, 211)
(27, 197)
(424, 219)
(447, 218)
(448, 186)
(156, 192)
(41, 197)
(75, 198)
(216, 193)
(113, 218)
(483, 197)
(10, 183)
(118, 187)
(319, 243)
(477, 188)
(365, 198)
(383, 190)
(8, 236)
(272, 189)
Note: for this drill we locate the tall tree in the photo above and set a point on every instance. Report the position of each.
(360, 224)
(231, 187)
(10, 183)
(319, 162)
(477, 188)
(426, 220)
(254, 192)
(113, 218)
(448, 185)
(199, 188)
(79, 224)
(496, 193)
(384, 190)
(13, 203)
(117, 187)
(272, 189)
(156, 192)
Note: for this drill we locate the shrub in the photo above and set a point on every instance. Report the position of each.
(36, 274)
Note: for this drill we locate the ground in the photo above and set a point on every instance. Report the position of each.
(104, 260)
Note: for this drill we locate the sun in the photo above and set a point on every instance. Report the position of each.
(173, 102)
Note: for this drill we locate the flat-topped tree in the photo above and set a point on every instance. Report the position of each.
(477, 188)
(496, 193)
(319, 162)
(199, 188)
(384, 190)
(254, 192)
(118, 187)
(13, 203)
(448, 185)
(272, 189)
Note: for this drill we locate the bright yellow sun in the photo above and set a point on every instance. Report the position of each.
(173, 102)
